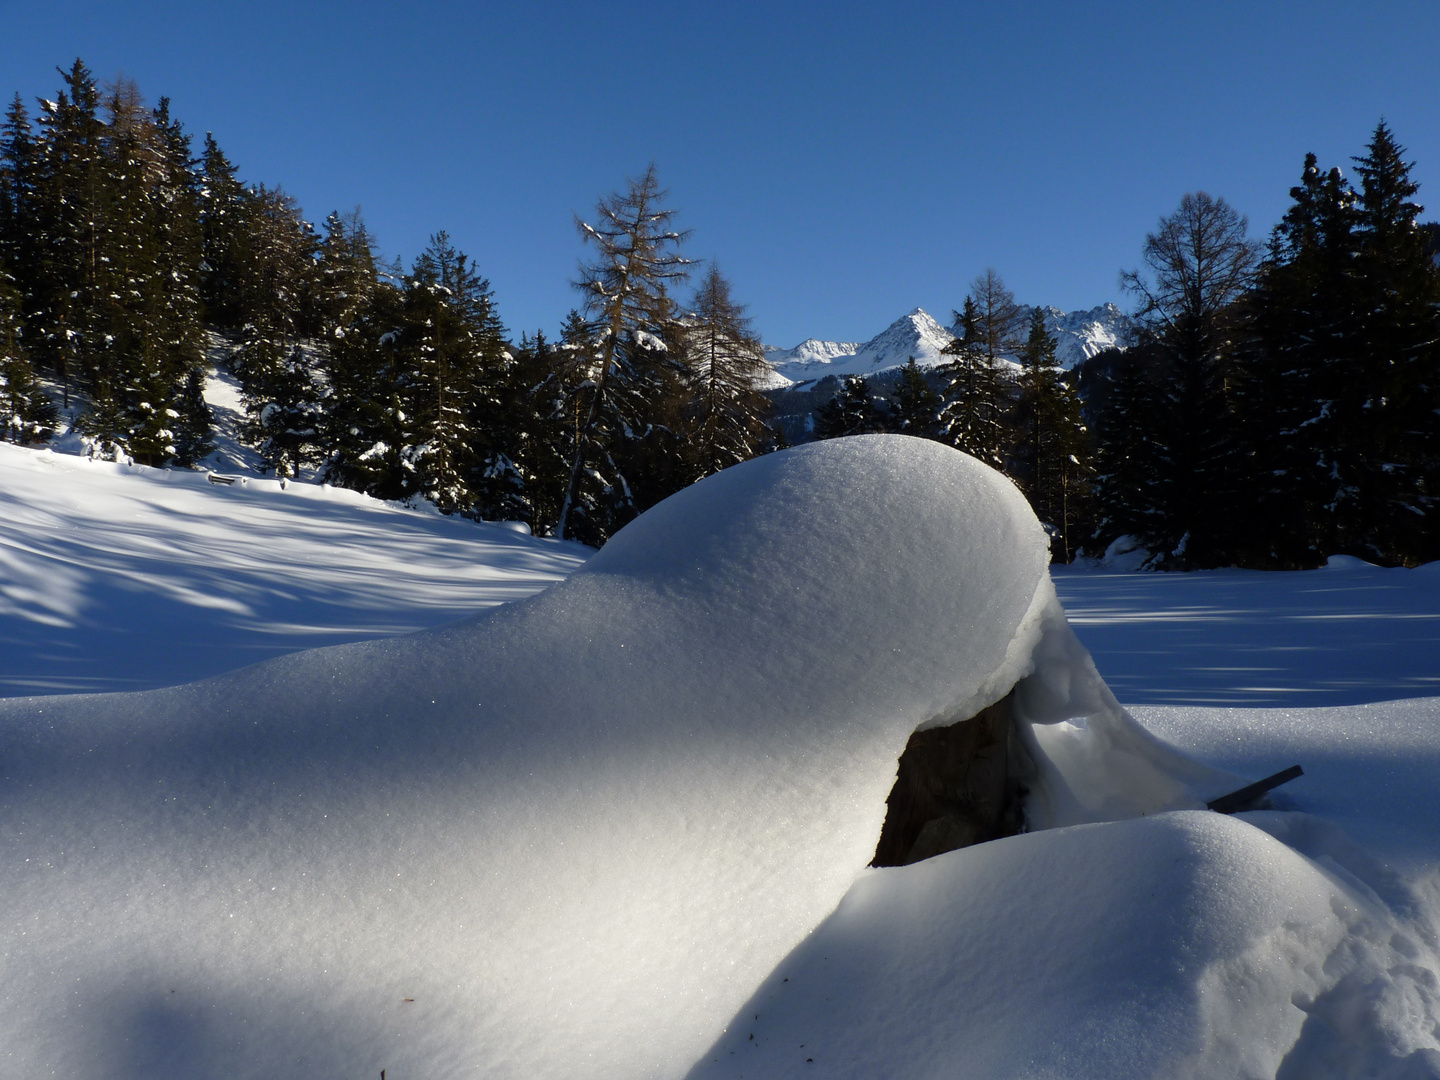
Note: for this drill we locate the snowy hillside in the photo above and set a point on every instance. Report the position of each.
(1079, 335)
(119, 577)
(625, 822)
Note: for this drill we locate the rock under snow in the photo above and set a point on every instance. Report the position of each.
(595, 832)
(574, 833)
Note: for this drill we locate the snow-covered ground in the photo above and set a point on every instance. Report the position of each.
(620, 828)
(120, 577)
(1346, 634)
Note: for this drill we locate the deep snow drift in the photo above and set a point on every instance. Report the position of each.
(589, 832)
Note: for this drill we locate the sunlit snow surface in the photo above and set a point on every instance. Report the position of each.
(620, 828)
(118, 577)
(1345, 634)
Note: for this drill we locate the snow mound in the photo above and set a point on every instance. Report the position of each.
(573, 833)
(1181, 945)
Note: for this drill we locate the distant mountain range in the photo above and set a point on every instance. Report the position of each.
(1079, 336)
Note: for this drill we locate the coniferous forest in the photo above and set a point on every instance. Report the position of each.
(1281, 405)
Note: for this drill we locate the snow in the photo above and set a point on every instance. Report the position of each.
(119, 577)
(1346, 634)
(621, 827)
(581, 828)
(1079, 335)
(915, 334)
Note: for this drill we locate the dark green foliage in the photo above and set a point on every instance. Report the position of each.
(1123, 388)
(366, 421)
(976, 394)
(1051, 459)
(26, 412)
(850, 412)
(226, 240)
(452, 346)
(914, 404)
(1343, 372)
(1298, 368)
(193, 425)
(423, 400)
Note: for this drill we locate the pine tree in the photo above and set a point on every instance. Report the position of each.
(226, 241)
(627, 400)
(915, 406)
(1395, 512)
(724, 420)
(26, 411)
(1303, 351)
(543, 438)
(348, 275)
(366, 423)
(176, 292)
(275, 295)
(18, 210)
(1131, 455)
(454, 347)
(1052, 451)
(850, 412)
(975, 393)
(69, 203)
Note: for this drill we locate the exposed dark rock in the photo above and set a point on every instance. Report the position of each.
(956, 786)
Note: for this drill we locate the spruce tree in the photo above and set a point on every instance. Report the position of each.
(915, 406)
(26, 412)
(850, 412)
(975, 393)
(543, 438)
(280, 378)
(226, 241)
(64, 314)
(1294, 405)
(1132, 461)
(347, 271)
(453, 347)
(366, 422)
(1052, 452)
(1394, 514)
(18, 178)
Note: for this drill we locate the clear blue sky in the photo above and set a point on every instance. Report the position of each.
(843, 162)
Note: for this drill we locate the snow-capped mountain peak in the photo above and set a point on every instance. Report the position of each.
(915, 334)
(1079, 336)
